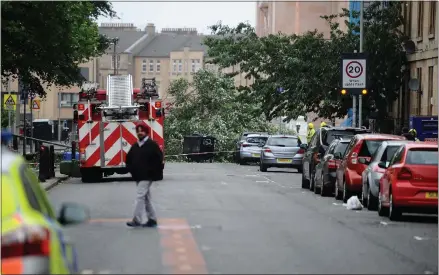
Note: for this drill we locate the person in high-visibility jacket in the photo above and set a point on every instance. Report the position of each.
(311, 132)
(414, 134)
(323, 124)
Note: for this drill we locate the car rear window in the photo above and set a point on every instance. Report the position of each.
(341, 147)
(256, 139)
(422, 157)
(389, 152)
(331, 135)
(283, 141)
(369, 147)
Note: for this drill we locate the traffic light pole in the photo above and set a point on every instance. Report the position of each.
(360, 97)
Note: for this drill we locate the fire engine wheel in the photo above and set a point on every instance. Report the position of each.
(91, 175)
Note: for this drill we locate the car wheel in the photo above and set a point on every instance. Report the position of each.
(316, 189)
(382, 210)
(394, 211)
(364, 200)
(299, 169)
(305, 182)
(311, 181)
(346, 193)
(323, 190)
(371, 201)
(337, 193)
(262, 167)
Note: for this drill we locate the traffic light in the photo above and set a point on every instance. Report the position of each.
(343, 92)
(364, 92)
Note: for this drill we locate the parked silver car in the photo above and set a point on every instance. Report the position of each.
(250, 149)
(281, 151)
(371, 176)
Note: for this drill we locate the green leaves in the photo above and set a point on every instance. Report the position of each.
(209, 105)
(44, 42)
(308, 66)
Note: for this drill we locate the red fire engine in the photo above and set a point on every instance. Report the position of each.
(107, 121)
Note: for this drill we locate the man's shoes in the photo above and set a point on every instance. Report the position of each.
(150, 223)
(134, 223)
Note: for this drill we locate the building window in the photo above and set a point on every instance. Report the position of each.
(419, 92)
(157, 66)
(196, 65)
(144, 65)
(117, 62)
(180, 66)
(430, 89)
(68, 99)
(174, 65)
(420, 19)
(151, 65)
(432, 21)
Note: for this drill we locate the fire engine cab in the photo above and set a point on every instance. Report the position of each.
(107, 120)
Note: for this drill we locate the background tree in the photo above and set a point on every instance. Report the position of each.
(307, 66)
(44, 42)
(209, 105)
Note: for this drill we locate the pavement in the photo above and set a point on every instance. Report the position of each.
(52, 182)
(218, 218)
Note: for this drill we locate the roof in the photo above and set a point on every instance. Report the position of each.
(163, 43)
(280, 136)
(412, 145)
(257, 135)
(398, 142)
(380, 136)
(340, 128)
(126, 37)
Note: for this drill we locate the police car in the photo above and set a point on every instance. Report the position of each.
(33, 241)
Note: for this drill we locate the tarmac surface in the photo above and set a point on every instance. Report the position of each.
(221, 218)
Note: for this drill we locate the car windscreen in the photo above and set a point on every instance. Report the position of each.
(422, 156)
(330, 135)
(341, 147)
(283, 141)
(389, 152)
(256, 140)
(369, 147)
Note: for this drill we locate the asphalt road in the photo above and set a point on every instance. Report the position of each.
(226, 218)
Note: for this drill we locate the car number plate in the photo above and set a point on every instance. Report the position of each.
(431, 195)
(256, 155)
(284, 160)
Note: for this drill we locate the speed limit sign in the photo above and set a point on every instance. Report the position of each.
(353, 71)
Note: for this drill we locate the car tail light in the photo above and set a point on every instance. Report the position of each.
(404, 174)
(301, 151)
(331, 164)
(26, 241)
(267, 150)
(355, 152)
(245, 145)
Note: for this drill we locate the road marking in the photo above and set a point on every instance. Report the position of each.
(224, 183)
(87, 271)
(421, 238)
(334, 203)
(262, 181)
(383, 223)
(180, 253)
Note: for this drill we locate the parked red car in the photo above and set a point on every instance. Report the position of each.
(358, 153)
(410, 183)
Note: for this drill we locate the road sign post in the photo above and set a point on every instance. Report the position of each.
(354, 78)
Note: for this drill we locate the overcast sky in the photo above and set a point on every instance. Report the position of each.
(198, 15)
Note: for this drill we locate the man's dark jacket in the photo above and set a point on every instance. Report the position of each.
(145, 162)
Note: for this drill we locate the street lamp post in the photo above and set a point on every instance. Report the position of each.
(360, 97)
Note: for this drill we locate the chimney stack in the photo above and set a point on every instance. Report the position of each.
(150, 29)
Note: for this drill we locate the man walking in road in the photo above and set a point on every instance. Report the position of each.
(144, 162)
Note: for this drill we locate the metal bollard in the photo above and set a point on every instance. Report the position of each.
(52, 161)
(37, 145)
(73, 150)
(44, 163)
(15, 143)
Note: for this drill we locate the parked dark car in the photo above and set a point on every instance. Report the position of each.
(318, 144)
(372, 174)
(325, 169)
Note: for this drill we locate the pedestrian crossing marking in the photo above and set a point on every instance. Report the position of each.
(10, 102)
